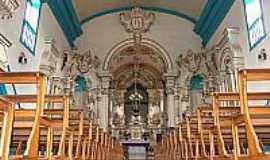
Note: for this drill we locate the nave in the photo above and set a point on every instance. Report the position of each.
(134, 79)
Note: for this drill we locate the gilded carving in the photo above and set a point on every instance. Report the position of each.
(137, 22)
(7, 8)
(79, 64)
(191, 61)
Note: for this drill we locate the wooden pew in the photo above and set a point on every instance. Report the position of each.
(39, 80)
(7, 109)
(225, 121)
(235, 118)
(23, 118)
(243, 77)
(48, 127)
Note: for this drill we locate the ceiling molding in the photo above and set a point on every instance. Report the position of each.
(67, 19)
(154, 9)
(212, 16)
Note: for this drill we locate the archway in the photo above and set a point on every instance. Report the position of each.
(145, 42)
(149, 62)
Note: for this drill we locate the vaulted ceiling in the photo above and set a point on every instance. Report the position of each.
(148, 64)
(206, 15)
(86, 8)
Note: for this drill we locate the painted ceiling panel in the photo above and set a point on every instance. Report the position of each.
(85, 8)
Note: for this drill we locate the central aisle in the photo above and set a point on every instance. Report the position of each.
(136, 153)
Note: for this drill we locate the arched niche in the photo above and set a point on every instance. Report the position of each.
(80, 91)
(80, 84)
(129, 107)
(196, 82)
(196, 90)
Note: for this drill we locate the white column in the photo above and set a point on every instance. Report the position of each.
(184, 99)
(180, 108)
(104, 108)
(111, 109)
(170, 107)
(161, 107)
(98, 105)
(161, 101)
(176, 108)
(170, 82)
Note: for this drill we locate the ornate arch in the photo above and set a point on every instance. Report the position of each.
(146, 42)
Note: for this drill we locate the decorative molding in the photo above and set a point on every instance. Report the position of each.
(213, 14)
(67, 19)
(147, 42)
(191, 61)
(137, 21)
(49, 57)
(76, 64)
(4, 41)
(170, 82)
(229, 47)
(7, 8)
(153, 9)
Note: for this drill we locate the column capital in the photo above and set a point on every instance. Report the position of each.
(170, 76)
(105, 75)
(106, 78)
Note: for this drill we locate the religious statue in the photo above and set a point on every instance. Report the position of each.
(84, 62)
(191, 61)
(119, 117)
(154, 114)
(75, 64)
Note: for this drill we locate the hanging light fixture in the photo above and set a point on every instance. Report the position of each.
(135, 97)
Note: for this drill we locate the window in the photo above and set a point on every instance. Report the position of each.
(30, 24)
(255, 24)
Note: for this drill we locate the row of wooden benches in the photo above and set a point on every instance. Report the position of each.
(234, 126)
(62, 132)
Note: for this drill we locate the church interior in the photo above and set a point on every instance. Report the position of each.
(134, 80)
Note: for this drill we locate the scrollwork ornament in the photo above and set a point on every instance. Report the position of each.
(137, 22)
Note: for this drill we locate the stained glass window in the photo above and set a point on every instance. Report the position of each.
(255, 23)
(30, 24)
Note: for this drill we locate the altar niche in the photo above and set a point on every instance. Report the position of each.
(136, 105)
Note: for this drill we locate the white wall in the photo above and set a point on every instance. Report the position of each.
(236, 18)
(11, 28)
(172, 33)
(48, 27)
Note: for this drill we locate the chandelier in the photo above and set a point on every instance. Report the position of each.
(135, 97)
